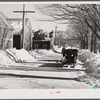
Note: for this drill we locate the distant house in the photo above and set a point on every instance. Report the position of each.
(41, 40)
(6, 32)
(41, 44)
(17, 33)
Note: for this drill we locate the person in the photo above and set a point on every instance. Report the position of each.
(63, 51)
(63, 54)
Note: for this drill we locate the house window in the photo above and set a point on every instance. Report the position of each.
(44, 46)
(36, 46)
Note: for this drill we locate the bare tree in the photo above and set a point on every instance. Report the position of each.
(81, 15)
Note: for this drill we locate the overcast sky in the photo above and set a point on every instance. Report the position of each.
(8, 9)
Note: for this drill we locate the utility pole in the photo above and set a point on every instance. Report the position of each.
(23, 22)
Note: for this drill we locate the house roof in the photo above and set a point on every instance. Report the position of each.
(17, 31)
(4, 22)
(17, 27)
(18, 19)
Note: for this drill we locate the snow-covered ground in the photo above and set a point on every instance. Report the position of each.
(10, 56)
(57, 49)
(35, 54)
(84, 55)
(41, 52)
(4, 58)
(90, 60)
(22, 55)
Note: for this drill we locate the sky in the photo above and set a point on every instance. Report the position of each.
(8, 9)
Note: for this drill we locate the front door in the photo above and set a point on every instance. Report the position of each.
(17, 41)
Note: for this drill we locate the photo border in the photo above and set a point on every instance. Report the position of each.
(26, 94)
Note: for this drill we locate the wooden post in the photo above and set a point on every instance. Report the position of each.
(23, 26)
(23, 22)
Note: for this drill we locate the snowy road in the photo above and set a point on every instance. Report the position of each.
(46, 73)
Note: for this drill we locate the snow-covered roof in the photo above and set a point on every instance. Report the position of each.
(17, 31)
(17, 22)
(4, 21)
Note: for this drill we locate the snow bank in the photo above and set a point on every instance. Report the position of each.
(35, 54)
(11, 54)
(90, 61)
(4, 59)
(42, 52)
(90, 79)
(92, 65)
(57, 49)
(45, 52)
(84, 55)
(22, 55)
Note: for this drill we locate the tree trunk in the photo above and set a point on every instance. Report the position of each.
(95, 44)
(91, 49)
(82, 43)
(86, 41)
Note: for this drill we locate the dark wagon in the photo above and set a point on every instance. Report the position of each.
(70, 57)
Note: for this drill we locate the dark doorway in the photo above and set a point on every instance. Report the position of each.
(36, 46)
(17, 41)
(44, 46)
